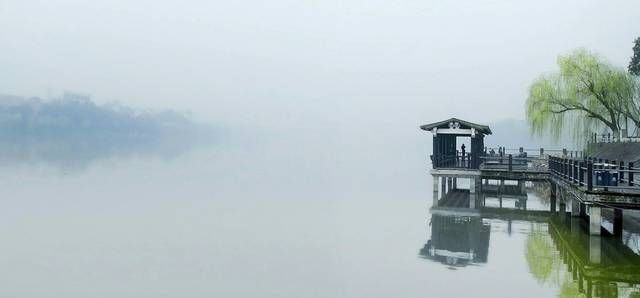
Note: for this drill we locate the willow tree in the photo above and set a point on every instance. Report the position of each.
(634, 64)
(633, 110)
(587, 93)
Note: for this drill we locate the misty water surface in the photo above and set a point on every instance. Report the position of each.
(247, 219)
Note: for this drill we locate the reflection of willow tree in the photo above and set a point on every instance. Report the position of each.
(570, 289)
(541, 256)
(545, 264)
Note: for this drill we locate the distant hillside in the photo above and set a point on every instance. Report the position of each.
(73, 130)
(76, 115)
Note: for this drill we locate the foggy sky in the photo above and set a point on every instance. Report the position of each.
(276, 64)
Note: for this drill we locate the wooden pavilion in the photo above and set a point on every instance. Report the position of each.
(446, 154)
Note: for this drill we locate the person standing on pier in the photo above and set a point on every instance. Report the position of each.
(463, 152)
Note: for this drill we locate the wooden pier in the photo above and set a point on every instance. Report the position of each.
(581, 185)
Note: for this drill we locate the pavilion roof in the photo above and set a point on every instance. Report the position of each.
(484, 129)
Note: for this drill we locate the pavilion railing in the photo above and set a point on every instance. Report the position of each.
(456, 161)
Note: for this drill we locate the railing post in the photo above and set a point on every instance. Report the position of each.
(630, 167)
(621, 171)
(614, 167)
(575, 171)
(571, 169)
(510, 162)
(605, 168)
(580, 173)
(589, 175)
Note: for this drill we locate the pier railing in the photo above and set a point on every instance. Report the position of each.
(520, 159)
(510, 163)
(506, 159)
(596, 174)
(611, 138)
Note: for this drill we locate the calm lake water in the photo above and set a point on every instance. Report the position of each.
(257, 221)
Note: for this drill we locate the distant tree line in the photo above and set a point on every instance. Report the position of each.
(587, 94)
(71, 131)
(77, 115)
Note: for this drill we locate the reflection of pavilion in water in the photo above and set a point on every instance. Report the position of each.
(457, 241)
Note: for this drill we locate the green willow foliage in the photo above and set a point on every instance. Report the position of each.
(586, 94)
(541, 256)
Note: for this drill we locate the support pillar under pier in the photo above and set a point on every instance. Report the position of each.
(574, 226)
(595, 249)
(575, 207)
(472, 193)
(595, 220)
(617, 222)
(522, 186)
(563, 209)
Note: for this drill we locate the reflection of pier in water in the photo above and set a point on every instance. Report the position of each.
(459, 234)
(489, 199)
(600, 266)
(461, 222)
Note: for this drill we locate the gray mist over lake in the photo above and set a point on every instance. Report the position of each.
(298, 169)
